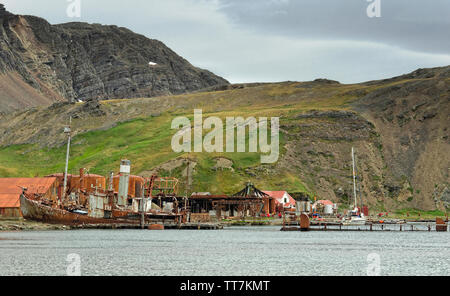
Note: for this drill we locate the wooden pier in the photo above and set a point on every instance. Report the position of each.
(368, 227)
(302, 222)
(195, 226)
(184, 226)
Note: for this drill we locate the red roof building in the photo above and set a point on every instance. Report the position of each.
(282, 198)
(11, 188)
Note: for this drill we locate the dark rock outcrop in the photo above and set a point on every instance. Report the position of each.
(3, 11)
(79, 61)
(91, 107)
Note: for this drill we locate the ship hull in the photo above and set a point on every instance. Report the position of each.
(355, 222)
(36, 211)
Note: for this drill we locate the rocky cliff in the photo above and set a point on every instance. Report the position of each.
(79, 61)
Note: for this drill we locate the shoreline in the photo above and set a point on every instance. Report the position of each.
(20, 224)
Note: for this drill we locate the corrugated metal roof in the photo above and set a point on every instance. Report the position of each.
(275, 194)
(9, 200)
(10, 189)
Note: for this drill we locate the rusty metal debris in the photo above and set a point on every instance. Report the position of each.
(441, 225)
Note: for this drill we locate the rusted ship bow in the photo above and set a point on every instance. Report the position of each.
(37, 211)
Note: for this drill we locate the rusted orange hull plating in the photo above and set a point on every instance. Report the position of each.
(33, 210)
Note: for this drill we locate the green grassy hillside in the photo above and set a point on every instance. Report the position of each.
(145, 140)
(147, 143)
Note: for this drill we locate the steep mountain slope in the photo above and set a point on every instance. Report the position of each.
(78, 61)
(398, 126)
(16, 94)
(413, 118)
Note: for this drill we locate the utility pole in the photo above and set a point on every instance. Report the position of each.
(143, 206)
(187, 188)
(359, 183)
(68, 131)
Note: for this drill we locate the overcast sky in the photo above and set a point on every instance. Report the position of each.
(278, 40)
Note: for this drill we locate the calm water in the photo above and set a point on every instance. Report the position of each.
(232, 251)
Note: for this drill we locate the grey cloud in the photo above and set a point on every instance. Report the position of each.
(413, 24)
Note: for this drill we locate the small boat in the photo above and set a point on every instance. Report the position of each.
(356, 217)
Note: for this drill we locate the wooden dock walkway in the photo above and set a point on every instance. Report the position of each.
(184, 226)
(368, 227)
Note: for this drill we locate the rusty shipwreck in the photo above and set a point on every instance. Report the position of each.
(85, 200)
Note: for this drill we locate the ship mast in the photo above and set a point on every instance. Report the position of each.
(68, 131)
(358, 178)
(354, 178)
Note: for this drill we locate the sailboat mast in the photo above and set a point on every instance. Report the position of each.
(68, 131)
(358, 178)
(354, 177)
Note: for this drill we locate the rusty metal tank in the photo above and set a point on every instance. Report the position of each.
(304, 222)
(91, 181)
(135, 185)
(86, 181)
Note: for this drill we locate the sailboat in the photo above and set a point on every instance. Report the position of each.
(356, 217)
